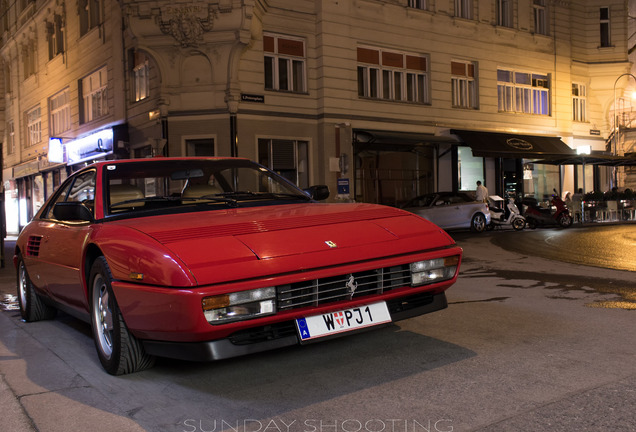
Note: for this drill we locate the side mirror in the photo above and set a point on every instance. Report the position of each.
(318, 192)
(72, 211)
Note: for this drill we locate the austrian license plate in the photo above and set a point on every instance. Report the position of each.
(332, 323)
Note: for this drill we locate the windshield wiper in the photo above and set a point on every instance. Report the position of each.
(229, 201)
(270, 195)
(143, 200)
(214, 198)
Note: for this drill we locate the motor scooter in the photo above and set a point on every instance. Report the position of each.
(558, 214)
(508, 215)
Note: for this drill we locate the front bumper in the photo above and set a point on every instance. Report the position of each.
(265, 338)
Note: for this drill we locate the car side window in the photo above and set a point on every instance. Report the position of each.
(80, 189)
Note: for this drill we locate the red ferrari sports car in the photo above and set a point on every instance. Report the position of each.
(210, 258)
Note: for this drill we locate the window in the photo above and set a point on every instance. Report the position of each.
(523, 92)
(605, 27)
(34, 126)
(55, 35)
(28, 59)
(504, 13)
(140, 76)
(288, 158)
(284, 63)
(392, 75)
(579, 101)
(89, 14)
(60, 113)
(199, 146)
(418, 4)
(470, 168)
(540, 17)
(464, 9)
(463, 84)
(10, 137)
(94, 91)
(82, 189)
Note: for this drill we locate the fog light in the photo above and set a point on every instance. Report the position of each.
(435, 270)
(239, 305)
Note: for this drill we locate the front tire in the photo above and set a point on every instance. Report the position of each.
(32, 307)
(118, 350)
(478, 223)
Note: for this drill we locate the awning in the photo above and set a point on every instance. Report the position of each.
(591, 159)
(509, 145)
(365, 139)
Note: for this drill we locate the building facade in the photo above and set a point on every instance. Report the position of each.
(380, 100)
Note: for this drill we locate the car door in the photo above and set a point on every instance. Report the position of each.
(62, 244)
(442, 212)
(463, 211)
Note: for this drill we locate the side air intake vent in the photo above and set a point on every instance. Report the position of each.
(33, 246)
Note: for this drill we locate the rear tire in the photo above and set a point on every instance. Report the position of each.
(478, 223)
(518, 224)
(565, 220)
(119, 351)
(32, 307)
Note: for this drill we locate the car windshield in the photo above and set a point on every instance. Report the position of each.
(190, 184)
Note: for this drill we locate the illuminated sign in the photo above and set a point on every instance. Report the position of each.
(56, 150)
(94, 146)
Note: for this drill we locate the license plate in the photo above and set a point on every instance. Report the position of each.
(332, 323)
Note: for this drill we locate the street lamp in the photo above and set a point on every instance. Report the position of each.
(616, 126)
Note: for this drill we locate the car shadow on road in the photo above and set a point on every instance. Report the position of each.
(291, 378)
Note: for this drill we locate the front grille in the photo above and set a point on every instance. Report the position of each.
(317, 292)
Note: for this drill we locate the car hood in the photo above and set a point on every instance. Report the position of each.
(333, 233)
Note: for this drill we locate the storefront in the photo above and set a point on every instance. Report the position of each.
(516, 162)
(28, 185)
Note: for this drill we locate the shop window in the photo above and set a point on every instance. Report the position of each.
(285, 63)
(523, 92)
(60, 113)
(34, 126)
(391, 75)
(288, 158)
(579, 102)
(94, 91)
(540, 17)
(89, 15)
(539, 180)
(464, 84)
(604, 15)
(464, 9)
(470, 169)
(504, 13)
